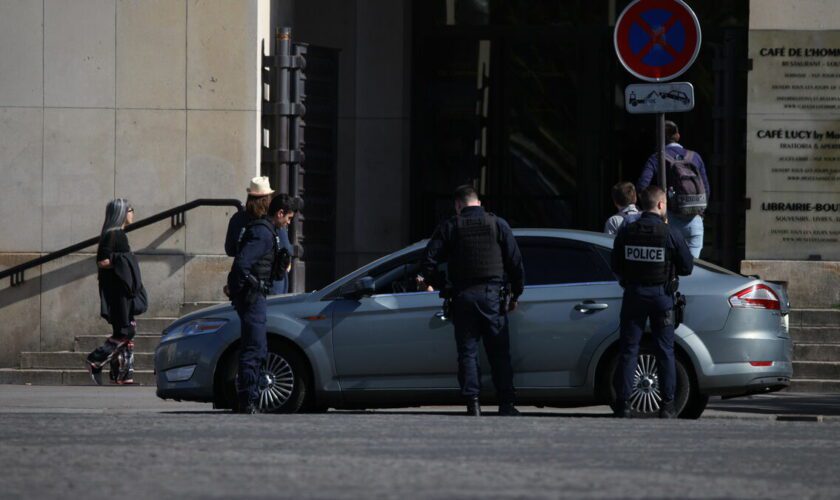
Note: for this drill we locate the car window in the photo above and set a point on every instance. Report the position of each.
(399, 275)
(554, 261)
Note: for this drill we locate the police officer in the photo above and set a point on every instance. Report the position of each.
(481, 251)
(258, 261)
(647, 255)
(260, 186)
(281, 281)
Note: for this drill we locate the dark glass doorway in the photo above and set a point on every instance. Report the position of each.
(525, 99)
(517, 112)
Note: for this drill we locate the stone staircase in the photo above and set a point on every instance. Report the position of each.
(68, 367)
(816, 350)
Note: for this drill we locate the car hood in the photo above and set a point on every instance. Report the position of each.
(226, 309)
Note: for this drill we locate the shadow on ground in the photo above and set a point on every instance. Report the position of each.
(781, 404)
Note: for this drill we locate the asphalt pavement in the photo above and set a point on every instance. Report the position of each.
(123, 442)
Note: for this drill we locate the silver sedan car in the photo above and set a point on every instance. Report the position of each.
(370, 340)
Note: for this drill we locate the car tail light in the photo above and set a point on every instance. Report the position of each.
(761, 363)
(756, 297)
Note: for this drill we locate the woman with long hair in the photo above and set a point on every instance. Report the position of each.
(121, 295)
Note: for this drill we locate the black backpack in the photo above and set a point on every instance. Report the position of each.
(686, 190)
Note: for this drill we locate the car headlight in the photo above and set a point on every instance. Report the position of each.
(194, 327)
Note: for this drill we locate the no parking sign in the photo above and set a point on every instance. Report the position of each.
(657, 40)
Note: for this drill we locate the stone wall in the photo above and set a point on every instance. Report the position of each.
(153, 100)
(811, 284)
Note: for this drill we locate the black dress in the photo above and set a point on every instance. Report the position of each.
(114, 295)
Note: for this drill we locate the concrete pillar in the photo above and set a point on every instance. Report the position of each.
(373, 167)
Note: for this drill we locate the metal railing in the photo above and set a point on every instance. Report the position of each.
(176, 215)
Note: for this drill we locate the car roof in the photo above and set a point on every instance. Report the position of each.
(602, 239)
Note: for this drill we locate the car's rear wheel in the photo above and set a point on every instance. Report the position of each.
(646, 398)
(695, 406)
(283, 384)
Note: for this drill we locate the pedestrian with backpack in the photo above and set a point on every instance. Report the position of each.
(687, 187)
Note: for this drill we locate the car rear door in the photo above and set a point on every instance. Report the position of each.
(570, 305)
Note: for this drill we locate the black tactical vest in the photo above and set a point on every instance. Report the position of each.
(477, 256)
(263, 268)
(647, 260)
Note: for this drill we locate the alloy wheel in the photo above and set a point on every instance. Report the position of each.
(646, 397)
(276, 384)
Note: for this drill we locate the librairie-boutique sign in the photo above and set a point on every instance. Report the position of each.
(793, 145)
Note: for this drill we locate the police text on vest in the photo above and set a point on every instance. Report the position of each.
(644, 254)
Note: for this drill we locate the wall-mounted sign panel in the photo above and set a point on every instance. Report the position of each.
(793, 145)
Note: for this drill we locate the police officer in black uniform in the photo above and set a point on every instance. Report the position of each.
(647, 256)
(482, 255)
(259, 261)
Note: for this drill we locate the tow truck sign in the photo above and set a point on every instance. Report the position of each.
(673, 97)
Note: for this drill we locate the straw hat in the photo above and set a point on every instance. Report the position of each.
(259, 187)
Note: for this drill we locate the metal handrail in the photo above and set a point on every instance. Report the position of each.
(176, 214)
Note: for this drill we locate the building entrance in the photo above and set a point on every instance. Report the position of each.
(517, 112)
(525, 100)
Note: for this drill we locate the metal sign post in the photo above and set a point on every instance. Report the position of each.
(657, 41)
(660, 145)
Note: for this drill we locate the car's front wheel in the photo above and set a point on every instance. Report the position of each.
(646, 397)
(283, 383)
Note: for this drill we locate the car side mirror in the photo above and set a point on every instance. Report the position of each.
(362, 287)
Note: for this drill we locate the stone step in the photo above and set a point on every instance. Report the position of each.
(146, 326)
(191, 307)
(142, 343)
(814, 317)
(816, 335)
(816, 352)
(153, 325)
(67, 360)
(64, 377)
(815, 385)
(822, 370)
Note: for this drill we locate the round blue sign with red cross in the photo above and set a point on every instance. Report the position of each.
(657, 40)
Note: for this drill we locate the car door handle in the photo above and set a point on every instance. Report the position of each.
(440, 315)
(590, 306)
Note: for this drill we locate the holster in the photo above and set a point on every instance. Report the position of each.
(446, 308)
(504, 297)
(446, 293)
(679, 309)
(672, 285)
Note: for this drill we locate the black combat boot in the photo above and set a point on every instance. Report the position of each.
(622, 410)
(667, 410)
(246, 408)
(473, 407)
(508, 410)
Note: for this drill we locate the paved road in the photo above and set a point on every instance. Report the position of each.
(73, 442)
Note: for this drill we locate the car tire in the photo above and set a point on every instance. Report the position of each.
(695, 405)
(286, 386)
(648, 407)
